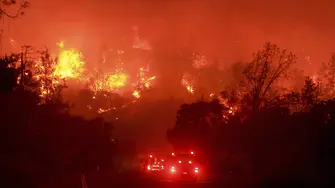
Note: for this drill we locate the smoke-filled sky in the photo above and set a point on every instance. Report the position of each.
(228, 29)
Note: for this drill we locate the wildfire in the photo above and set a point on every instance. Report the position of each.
(70, 63)
(116, 80)
(185, 81)
(43, 71)
(108, 81)
(232, 109)
(52, 73)
(143, 82)
(199, 61)
(136, 94)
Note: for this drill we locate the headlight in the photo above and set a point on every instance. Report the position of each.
(196, 170)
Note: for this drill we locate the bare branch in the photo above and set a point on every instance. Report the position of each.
(268, 65)
(19, 12)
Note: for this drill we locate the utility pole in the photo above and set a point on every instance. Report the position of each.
(1, 36)
(23, 58)
(23, 49)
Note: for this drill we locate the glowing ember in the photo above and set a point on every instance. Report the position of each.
(103, 110)
(108, 82)
(232, 109)
(143, 80)
(199, 61)
(185, 81)
(148, 81)
(190, 89)
(116, 80)
(136, 94)
(13, 43)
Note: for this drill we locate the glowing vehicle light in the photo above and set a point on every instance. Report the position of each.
(172, 169)
(196, 170)
(192, 153)
(150, 156)
(172, 154)
(190, 162)
(148, 167)
(179, 161)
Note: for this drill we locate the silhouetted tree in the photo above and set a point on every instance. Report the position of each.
(293, 101)
(195, 123)
(43, 142)
(8, 73)
(310, 93)
(328, 74)
(50, 85)
(11, 3)
(268, 66)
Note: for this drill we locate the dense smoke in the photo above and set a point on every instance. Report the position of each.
(189, 48)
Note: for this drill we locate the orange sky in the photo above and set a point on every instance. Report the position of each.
(230, 30)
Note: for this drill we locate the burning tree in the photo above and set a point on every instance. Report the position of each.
(50, 84)
(268, 66)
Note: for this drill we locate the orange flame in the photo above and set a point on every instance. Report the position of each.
(187, 83)
(70, 63)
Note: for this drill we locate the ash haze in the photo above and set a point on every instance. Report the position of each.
(230, 29)
(125, 79)
(226, 30)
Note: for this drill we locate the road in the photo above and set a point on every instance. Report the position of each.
(134, 180)
(141, 180)
(122, 180)
(158, 184)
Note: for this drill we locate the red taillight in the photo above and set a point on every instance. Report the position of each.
(190, 162)
(192, 152)
(179, 161)
(148, 167)
(172, 169)
(150, 156)
(172, 154)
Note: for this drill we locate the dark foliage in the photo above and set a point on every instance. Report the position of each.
(43, 142)
(271, 145)
(195, 123)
